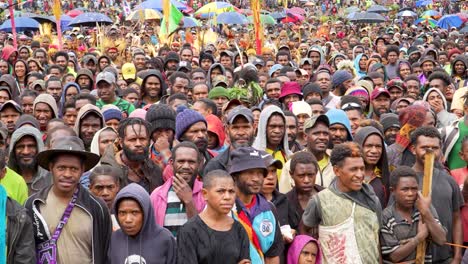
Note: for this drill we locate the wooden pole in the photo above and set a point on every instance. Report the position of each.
(426, 191)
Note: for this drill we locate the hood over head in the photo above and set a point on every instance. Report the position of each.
(11, 82)
(338, 116)
(158, 75)
(84, 111)
(87, 73)
(216, 127)
(463, 59)
(65, 89)
(214, 65)
(49, 100)
(7, 51)
(95, 143)
(298, 244)
(426, 95)
(16, 136)
(358, 58)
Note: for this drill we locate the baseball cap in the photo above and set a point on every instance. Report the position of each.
(184, 65)
(12, 103)
(106, 77)
(310, 123)
(396, 83)
(379, 91)
(220, 80)
(246, 158)
(270, 161)
(128, 71)
(240, 111)
(258, 61)
(304, 61)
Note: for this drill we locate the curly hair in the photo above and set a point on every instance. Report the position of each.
(345, 150)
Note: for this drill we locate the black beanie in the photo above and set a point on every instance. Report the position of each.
(205, 55)
(161, 116)
(171, 56)
(312, 88)
(389, 120)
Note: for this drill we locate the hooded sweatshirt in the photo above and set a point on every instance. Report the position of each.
(7, 51)
(360, 73)
(84, 111)
(216, 127)
(298, 244)
(11, 83)
(461, 81)
(338, 116)
(158, 75)
(48, 100)
(64, 93)
(88, 74)
(42, 178)
(153, 244)
(215, 65)
(444, 118)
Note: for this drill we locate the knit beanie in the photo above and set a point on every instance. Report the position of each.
(161, 116)
(138, 113)
(218, 92)
(171, 56)
(312, 88)
(340, 77)
(389, 120)
(205, 55)
(185, 119)
(112, 114)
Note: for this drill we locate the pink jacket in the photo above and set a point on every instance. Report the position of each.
(159, 199)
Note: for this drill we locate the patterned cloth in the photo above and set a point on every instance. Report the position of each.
(176, 215)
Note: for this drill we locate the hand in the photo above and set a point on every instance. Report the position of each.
(423, 203)
(161, 144)
(182, 189)
(244, 261)
(438, 106)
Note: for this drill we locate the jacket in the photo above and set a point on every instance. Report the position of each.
(96, 209)
(450, 135)
(444, 118)
(153, 244)
(14, 89)
(42, 178)
(20, 241)
(159, 199)
(84, 111)
(87, 73)
(151, 171)
(208, 75)
(163, 86)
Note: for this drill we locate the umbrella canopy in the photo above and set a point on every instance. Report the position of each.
(352, 9)
(74, 13)
(21, 24)
(264, 19)
(90, 19)
(38, 18)
(426, 21)
(231, 18)
(378, 9)
(292, 18)
(213, 8)
(190, 22)
(144, 14)
(158, 5)
(407, 14)
(449, 21)
(464, 30)
(368, 17)
(296, 10)
(430, 13)
(423, 3)
(278, 15)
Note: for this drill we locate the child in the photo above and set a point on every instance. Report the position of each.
(460, 174)
(304, 250)
(401, 230)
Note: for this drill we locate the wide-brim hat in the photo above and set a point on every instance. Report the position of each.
(69, 146)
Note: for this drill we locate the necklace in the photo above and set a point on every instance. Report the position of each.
(133, 170)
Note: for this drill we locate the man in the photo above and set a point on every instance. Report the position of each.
(446, 196)
(89, 62)
(427, 65)
(353, 109)
(105, 83)
(271, 134)
(133, 159)
(180, 198)
(61, 59)
(273, 89)
(396, 88)
(153, 87)
(162, 120)
(378, 79)
(380, 101)
(241, 133)
(342, 80)
(413, 84)
(340, 127)
(85, 80)
(54, 88)
(252, 210)
(200, 91)
(88, 122)
(205, 107)
(283, 58)
(391, 127)
(83, 222)
(220, 96)
(347, 197)
(171, 62)
(323, 78)
(44, 109)
(442, 81)
(139, 60)
(26, 142)
(10, 112)
(104, 182)
(179, 82)
(392, 57)
(292, 131)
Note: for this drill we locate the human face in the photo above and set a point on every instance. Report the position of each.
(200, 91)
(404, 70)
(43, 113)
(54, 88)
(418, 71)
(186, 55)
(390, 135)
(135, 143)
(301, 118)
(317, 109)
(89, 125)
(275, 130)
(355, 118)
(464, 152)
(372, 149)
(61, 61)
(338, 134)
(308, 254)
(26, 151)
(317, 138)
(70, 116)
(206, 64)
(131, 98)
(412, 89)
(185, 163)
(4, 67)
(406, 192)
(221, 195)
(381, 105)
(139, 62)
(315, 56)
(27, 103)
(250, 182)
(424, 145)
(20, 69)
(71, 93)
(130, 216)
(220, 101)
(378, 83)
(198, 134)
(105, 187)
(460, 68)
(324, 81)
(304, 177)
(180, 86)
(106, 138)
(226, 61)
(174, 104)
(395, 93)
(163, 132)
(291, 128)
(153, 87)
(240, 132)
(66, 172)
(84, 81)
(427, 67)
(440, 85)
(198, 77)
(9, 116)
(201, 108)
(283, 60)
(273, 90)
(106, 91)
(4, 96)
(350, 174)
(103, 63)
(40, 56)
(270, 181)
(363, 63)
(392, 57)
(291, 98)
(215, 72)
(24, 54)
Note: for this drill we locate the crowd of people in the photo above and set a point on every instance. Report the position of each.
(206, 150)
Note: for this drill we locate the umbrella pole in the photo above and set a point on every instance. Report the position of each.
(12, 19)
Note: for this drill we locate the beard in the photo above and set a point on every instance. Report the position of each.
(134, 156)
(202, 144)
(24, 166)
(240, 145)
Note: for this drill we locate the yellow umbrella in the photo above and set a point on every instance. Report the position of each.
(144, 14)
(212, 9)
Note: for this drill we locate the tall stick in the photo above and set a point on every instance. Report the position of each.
(12, 19)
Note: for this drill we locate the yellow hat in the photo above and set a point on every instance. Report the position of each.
(128, 71)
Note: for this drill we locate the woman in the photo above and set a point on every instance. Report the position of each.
(34, 65)
(304, 250)
(460, 71)
(363, 95)
(20, 70)
(403, 69)
(213, 236)
(360, 63)
(438, 104)
(103, 62)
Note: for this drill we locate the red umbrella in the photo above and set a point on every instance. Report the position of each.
(74, 13)
(296, 10)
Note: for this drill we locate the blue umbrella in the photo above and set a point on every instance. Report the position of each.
(21, 24)
(158, 5)
(377, 9)
(407, 13)
(90, 19)
(190, 22)
(64, 21)
(423, 3)
(231, 18)
(464, 30)
(449, 21)
(278, 15)
(351, 15)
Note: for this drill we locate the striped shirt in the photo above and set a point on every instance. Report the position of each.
(176, 215)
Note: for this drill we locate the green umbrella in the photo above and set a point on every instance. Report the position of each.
(265, 19)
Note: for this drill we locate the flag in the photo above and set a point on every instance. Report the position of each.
(170, 21)
(56, 9)
(126, 8)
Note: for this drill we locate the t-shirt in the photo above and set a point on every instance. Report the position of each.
(176, 214)
(74, 245)
(454, 160)
(198, 243)
(126, 107)
(278, 155)
(15, 186)
(323, 162)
